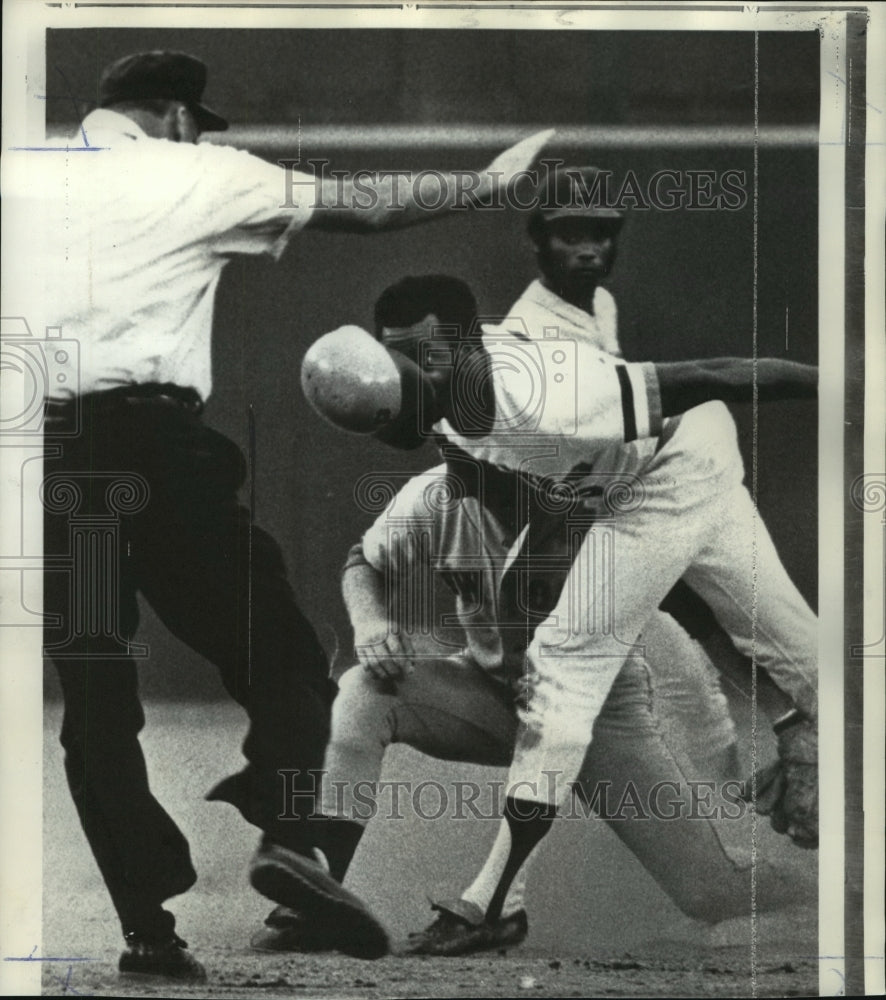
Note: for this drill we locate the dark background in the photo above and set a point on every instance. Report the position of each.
(339, 77)
(684, 281)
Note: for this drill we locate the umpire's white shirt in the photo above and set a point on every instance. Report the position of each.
(122, 244)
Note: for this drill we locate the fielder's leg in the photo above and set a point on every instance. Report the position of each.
(659, 772)
(739, 574)
(695, 718)
(447, 708)
(627, 564)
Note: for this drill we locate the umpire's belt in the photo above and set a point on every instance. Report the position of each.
(59, 412)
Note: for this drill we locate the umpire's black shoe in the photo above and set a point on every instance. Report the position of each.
(160, 956)
(339, 920)
(461, 929)
(286, 930)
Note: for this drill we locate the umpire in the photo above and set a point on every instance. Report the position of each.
(139, 228)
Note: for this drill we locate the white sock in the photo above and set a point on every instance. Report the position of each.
(484, 885)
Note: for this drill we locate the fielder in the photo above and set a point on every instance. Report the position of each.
(127, 239)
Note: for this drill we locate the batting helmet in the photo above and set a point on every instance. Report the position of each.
(358, 385)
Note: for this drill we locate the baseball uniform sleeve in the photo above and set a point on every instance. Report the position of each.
(376, 548)
(404, 531)
(640, 400)
(567, 388)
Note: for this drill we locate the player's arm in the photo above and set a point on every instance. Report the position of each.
(359, 385)
(395, 200)
(632, 402)
(383, 652)
(684, 384)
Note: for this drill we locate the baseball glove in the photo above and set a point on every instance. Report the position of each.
(787, 791)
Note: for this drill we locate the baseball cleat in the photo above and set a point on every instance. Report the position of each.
(461, 929)
(339, 920)
(165, 956)
(286, 930)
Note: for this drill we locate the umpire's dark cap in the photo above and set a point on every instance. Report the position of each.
(575, 193)
(174, 76)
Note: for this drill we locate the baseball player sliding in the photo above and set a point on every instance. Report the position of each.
(688, 476)
(664, 723)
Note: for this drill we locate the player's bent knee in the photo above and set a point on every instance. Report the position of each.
(360, 707)
(357, 682)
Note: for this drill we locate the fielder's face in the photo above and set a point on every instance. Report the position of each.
(427, 343)
(577, 254)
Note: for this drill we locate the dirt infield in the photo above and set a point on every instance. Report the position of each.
(599, 925)
(236, 973)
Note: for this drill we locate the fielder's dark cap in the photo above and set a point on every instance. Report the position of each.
(173, 76)
(575, 193)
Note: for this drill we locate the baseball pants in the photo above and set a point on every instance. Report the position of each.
(144, 499)
(664, 742)
(693, 519)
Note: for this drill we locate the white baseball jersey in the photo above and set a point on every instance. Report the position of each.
(564, 398)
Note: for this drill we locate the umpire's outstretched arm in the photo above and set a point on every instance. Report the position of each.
(395, 200)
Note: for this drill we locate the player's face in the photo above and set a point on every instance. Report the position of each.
(577, 255)
(428, 344)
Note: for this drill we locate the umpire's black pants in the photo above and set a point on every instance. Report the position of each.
(144, 498)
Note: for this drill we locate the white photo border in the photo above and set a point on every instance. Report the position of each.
(852, 615)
